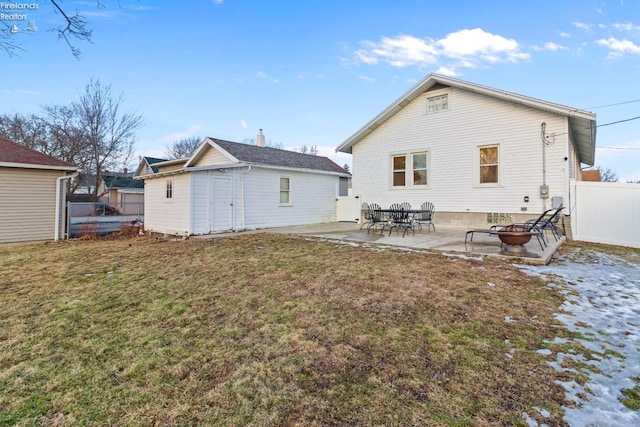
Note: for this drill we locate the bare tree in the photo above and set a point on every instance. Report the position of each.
(109, 133)
(74, 27)
(271, 144)
(607, 175)
(92, 133)
(183, 148)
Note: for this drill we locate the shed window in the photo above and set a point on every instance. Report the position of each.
(169, 193)
(285, 191)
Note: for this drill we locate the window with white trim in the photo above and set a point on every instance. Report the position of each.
(437, 103)
(285, 190)
(169, 189)
(489, 164)
(410, 170)
(419, 167)
(399, 170)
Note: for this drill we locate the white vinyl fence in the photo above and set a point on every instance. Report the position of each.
(607, 212)
(348, 209)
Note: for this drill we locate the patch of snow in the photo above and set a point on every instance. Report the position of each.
(602, 305)
(509, 319)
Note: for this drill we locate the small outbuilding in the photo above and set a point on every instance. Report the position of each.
(229, 186)
(32, 194)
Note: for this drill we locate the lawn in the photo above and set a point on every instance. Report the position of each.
(266, 329)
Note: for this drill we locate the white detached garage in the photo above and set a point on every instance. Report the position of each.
(228, 186)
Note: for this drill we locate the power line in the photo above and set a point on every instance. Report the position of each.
(613, 105)
(619, 121)
(620, 148)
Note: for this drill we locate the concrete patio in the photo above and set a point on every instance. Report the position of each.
(443, 239)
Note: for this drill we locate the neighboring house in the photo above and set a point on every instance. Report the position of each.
(147, 167)
(591, 175)
(480, 155)
(120, 189)
(227, 186)
(32, 194)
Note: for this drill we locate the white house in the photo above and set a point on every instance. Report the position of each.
(228, 186)
(480, 155)
(32, 194)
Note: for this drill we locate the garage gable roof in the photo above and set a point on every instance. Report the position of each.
(582, 123)
(268, 156)
(13, 154)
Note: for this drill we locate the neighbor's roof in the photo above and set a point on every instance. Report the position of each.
(582, 123)
(121, 181)
(16, 155)
(153, 160)
(253, 154)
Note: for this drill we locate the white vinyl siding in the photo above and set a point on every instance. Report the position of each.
(27, 204)
(162, 215)
(477, 120)
(314, 197)
(212, 156)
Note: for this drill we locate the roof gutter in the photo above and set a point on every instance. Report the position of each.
(59, 196)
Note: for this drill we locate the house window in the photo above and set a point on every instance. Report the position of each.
(489, 164)
(437, 103)
(285, 191)
(169, 193)
(419, 166)
(399, 170)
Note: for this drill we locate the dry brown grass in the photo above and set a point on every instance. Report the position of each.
(268, 329)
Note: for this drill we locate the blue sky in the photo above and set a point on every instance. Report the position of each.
(313, 72)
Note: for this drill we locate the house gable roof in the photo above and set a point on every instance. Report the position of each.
(582, 123)
(13, 154)
(150, 162)
(267, 156)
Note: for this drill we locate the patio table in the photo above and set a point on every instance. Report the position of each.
(388, 216)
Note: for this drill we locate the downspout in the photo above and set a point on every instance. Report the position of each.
(242, 195)
(58, 214)
(544, 163)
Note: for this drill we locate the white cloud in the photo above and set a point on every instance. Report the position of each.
(582, 26)
(468, 48)
(244, 124)
(401, 51)
(564, 34)
(618, 48)
(217, 1)
(626, 27)
(263, 75)
(366, 79)
(177, 136)
(446, 71)
(551, 46)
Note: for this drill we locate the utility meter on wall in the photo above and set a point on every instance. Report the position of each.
(544, 191)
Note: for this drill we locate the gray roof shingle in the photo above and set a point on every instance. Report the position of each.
(276, 157)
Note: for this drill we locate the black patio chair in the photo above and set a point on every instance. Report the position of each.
(550, 222)
(425, 216)
(367, 215)
(400, 218)
(375, 218)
